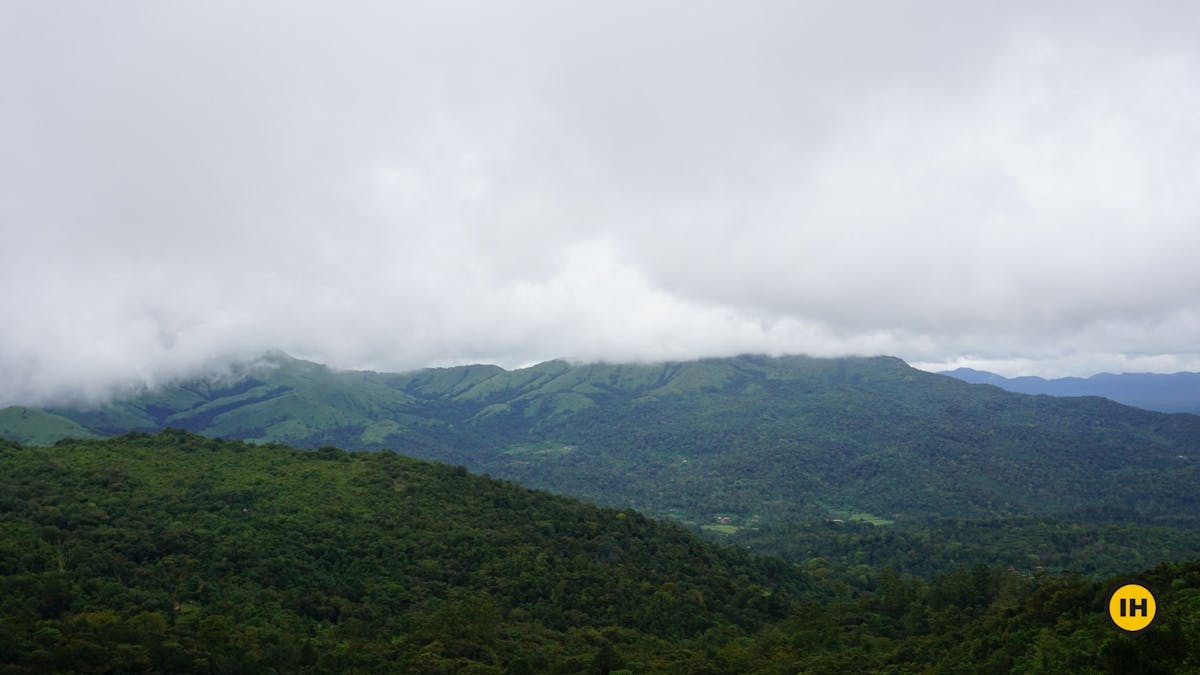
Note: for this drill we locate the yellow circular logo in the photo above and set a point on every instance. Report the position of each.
(1132, 608)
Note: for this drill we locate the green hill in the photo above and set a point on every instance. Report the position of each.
(177, 553)
(744, 448)
(35, 427)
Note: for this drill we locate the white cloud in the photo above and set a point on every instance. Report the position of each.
(400, 185)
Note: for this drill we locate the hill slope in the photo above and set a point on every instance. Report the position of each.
(744, 439)
(35, 427)
(1176, 392)
(179, 553)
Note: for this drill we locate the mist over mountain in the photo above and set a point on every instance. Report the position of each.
(421, 205)
(894, 498)
(1174, 392)
(37, 427)
(445, 184)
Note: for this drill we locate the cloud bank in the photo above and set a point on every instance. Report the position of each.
(396, 185)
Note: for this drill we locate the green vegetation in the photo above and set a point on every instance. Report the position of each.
(929, 548)
(178, 553)
(538, 451)
(977, 619)
(784, 443)
(35, 427)
(859, 517)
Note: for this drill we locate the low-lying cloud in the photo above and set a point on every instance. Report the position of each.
(1005, 185)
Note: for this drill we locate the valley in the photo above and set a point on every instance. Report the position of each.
(792, 456)
(172, 552)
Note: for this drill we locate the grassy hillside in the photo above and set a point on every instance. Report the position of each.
(756, 437)
(741, 447)
(35, 427)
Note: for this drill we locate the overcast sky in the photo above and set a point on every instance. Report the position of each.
(1013, 185)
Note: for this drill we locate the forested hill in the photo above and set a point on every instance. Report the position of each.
(1175, 392)
(176, 553)
(722, 441)
(180, 553)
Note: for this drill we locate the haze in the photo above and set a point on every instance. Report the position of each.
(1009, 186)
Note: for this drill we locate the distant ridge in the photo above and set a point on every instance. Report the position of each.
(725, 443)
(1172, 393)
(31, 426)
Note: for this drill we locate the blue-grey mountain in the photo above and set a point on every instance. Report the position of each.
(1175, 392)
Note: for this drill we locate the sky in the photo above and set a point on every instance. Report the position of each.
(1012, 186)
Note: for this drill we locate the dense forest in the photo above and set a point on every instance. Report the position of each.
(178, 553)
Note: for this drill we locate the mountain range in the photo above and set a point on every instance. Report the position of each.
(1175, 392)
(733, 445)
(177, 553)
